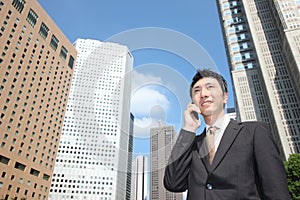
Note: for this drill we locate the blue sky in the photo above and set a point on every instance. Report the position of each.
(168, 40)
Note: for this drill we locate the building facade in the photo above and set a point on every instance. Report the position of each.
(262, 40)
(94, 151)
(230, 112)
(139, 190)
(162, 139)
(36, 69)
(129, 162)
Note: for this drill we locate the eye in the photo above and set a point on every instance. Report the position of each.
(196, 91)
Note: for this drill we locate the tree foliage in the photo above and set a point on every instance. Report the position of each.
(292, 166)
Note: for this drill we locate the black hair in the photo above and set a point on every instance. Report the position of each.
(207, 73)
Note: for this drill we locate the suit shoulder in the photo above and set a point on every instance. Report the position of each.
(254, 123)
(250, 125)
(256, 126)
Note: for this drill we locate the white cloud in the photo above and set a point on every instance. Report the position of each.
(140, 79)
(143, 122)
(148, 104)
(148, 107)
(142, 126)
(146, 99)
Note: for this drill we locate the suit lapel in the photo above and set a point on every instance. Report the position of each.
(228, 138)
(202, 151)
(201, 146)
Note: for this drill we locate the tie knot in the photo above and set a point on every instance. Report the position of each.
(212, 129)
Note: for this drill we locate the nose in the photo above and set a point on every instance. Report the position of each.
(204, 92)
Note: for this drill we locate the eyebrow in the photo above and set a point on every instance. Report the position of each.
(206, 84)
(196, 87)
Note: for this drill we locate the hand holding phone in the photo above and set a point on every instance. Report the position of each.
(191, 118)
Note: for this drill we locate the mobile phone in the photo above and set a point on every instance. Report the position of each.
(196, 115)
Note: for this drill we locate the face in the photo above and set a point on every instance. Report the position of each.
(207, 94)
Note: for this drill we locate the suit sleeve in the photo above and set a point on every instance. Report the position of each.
(271, 173)
(177, 170)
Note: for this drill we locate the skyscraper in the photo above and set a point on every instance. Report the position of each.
(36, 69)
(262, 40)
(230, 112)
(162, 139)
(129, 162)
(140, 178)
(93, 154)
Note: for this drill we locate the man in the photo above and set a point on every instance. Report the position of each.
(233, 160)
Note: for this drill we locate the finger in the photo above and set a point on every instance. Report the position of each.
(195, 108)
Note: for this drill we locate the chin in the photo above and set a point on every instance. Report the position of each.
(206, 112)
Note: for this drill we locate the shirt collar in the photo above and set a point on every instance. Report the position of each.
(220, 123)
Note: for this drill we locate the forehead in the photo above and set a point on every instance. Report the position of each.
(206, 81)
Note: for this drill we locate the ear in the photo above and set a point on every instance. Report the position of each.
(225, 98)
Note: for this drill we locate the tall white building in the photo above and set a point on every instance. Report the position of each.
(94, 149)
(262, 40)
(139, 187)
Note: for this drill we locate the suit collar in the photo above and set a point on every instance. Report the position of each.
(228, 138)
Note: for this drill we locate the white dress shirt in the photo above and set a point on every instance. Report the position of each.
(222, 124)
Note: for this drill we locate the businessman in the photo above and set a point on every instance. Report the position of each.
(230, 160)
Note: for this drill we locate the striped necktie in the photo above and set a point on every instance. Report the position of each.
(210, 142)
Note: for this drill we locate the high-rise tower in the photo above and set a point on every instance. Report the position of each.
(94, 151)
(162, 139)
(36, 68)
(262, 40)
(140, 173)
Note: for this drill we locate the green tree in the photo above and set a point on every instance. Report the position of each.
(292, 166)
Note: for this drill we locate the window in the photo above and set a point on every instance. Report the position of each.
(3, 144)
(20, 166)
(71, 62)
(34, 172)
(235, 47)
(240, 28)
(63, 53)
(245, 46)
(44, 31)
(19, 5)
(54, 42)
(31, 18)
(247, 55)
(46, 177)
(168, 132)
(242, 36)
(4, 159)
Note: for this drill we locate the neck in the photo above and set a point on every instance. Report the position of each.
(211, 119)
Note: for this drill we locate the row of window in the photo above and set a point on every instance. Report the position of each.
(20, 166)
(32, 19)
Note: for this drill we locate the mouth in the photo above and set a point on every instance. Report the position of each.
(204, 103)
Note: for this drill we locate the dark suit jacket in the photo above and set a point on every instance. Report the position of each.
(246, 166)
